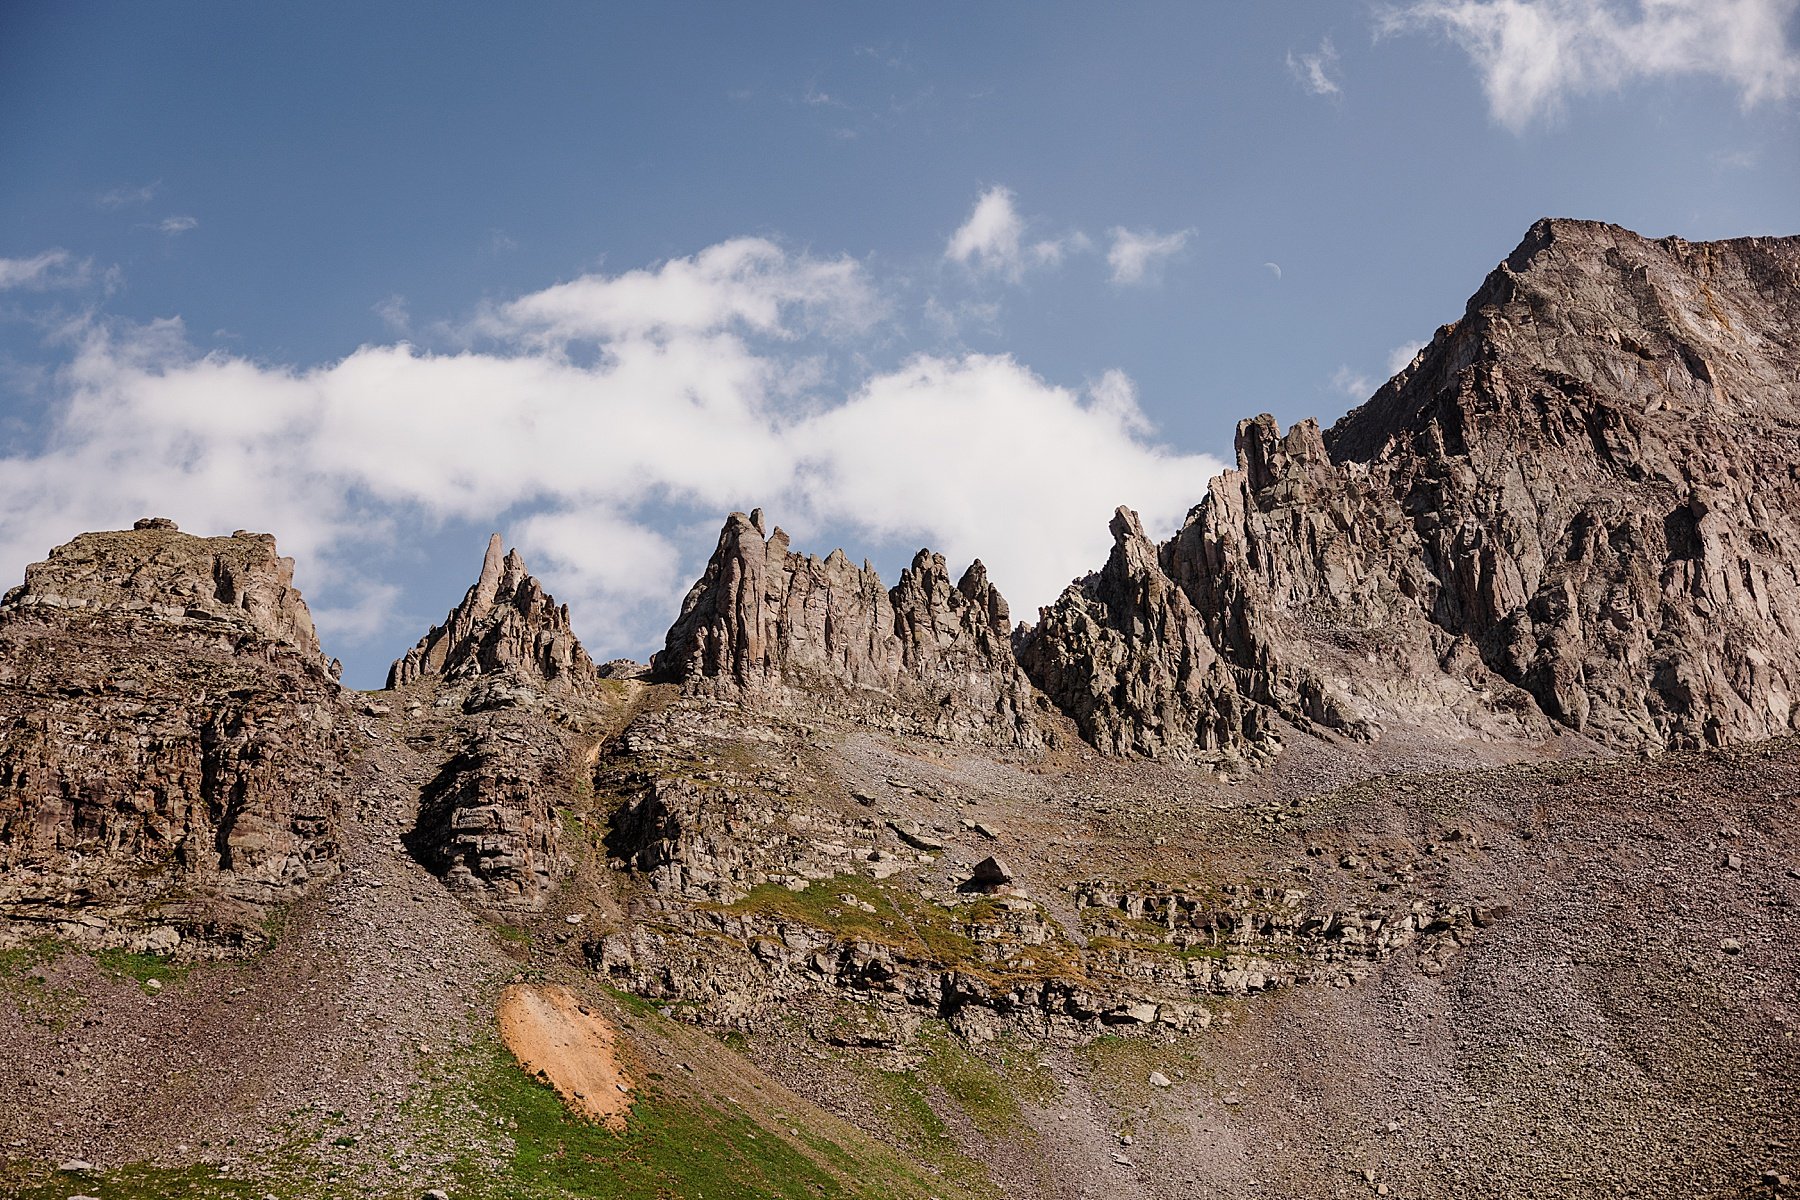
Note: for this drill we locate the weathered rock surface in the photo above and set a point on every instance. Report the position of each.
(506, 623)
(487, 823)
(1125, 653)
(1576, 510)
(171, 745)
(157, 572)
(765, 625)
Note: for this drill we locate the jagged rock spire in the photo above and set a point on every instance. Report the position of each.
(506, 622)
(766, 625)
(1576, 507)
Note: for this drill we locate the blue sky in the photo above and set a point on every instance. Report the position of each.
(383, 278)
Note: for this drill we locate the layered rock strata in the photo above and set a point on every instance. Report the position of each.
(171, 743)
(487, 822)
(767, 625)
(506, 623)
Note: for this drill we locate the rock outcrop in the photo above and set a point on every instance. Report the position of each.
(1125, 653)
(155, 571)
(487, 823)
(171, 744)
(1575, 510)
(765, 625)
(506, 624)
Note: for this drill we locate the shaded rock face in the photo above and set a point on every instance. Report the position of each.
(506, 623)
(171, 745)
(487, 823)
(1598, 460)
(1576, 509)
(1125, 653)
(766, 625)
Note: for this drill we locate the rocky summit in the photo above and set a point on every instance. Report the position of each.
(1416, 820)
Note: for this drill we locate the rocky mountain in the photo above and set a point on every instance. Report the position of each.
(1416, 820)
(765, 625)
(171, 740)
(506, 623)
(1575, 510)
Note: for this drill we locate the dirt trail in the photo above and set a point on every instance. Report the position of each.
(553, 1034)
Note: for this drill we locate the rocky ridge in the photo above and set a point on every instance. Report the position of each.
(838, 820)
(1575, 510)
(766, 625)
(487, 822)
(506, 623)
(172, 741)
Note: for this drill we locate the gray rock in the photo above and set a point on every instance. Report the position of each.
(990, 873)
(771, 628)
(506, 623)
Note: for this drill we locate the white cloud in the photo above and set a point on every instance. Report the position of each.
(1135, 254)
(1352, 383)
(394, 313)
(1533, 54)
(1401, 356)
(1314, 70)
(992, 240)
(49, 269)
(128, 197)
(612, 411)
(916, 453)
(177, 224)
(363, 618)
(747, 282)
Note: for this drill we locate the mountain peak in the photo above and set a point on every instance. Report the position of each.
(506, 622)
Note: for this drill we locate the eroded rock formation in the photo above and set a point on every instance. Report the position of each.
(1576, 509)
(506, 623)
(767, 625)
(487, 822)
(171, 747)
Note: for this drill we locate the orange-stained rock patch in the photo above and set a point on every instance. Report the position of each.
(555, 1036)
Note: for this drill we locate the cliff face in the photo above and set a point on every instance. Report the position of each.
(505, 623)
(1598, 462)
(766, 625)
(171, 748)
(487, 822)
(1576, 509)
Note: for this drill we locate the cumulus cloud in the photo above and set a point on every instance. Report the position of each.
(603, 421)
(1314, 71)
(993, 241)
(1534, 54)
(980, 457)
(1136, 254)
(749, 282)
(48, 269)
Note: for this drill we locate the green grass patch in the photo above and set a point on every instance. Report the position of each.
(900, 920)
(675, 1145)
(24, 960)
(125, 964)
(138, 1181)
